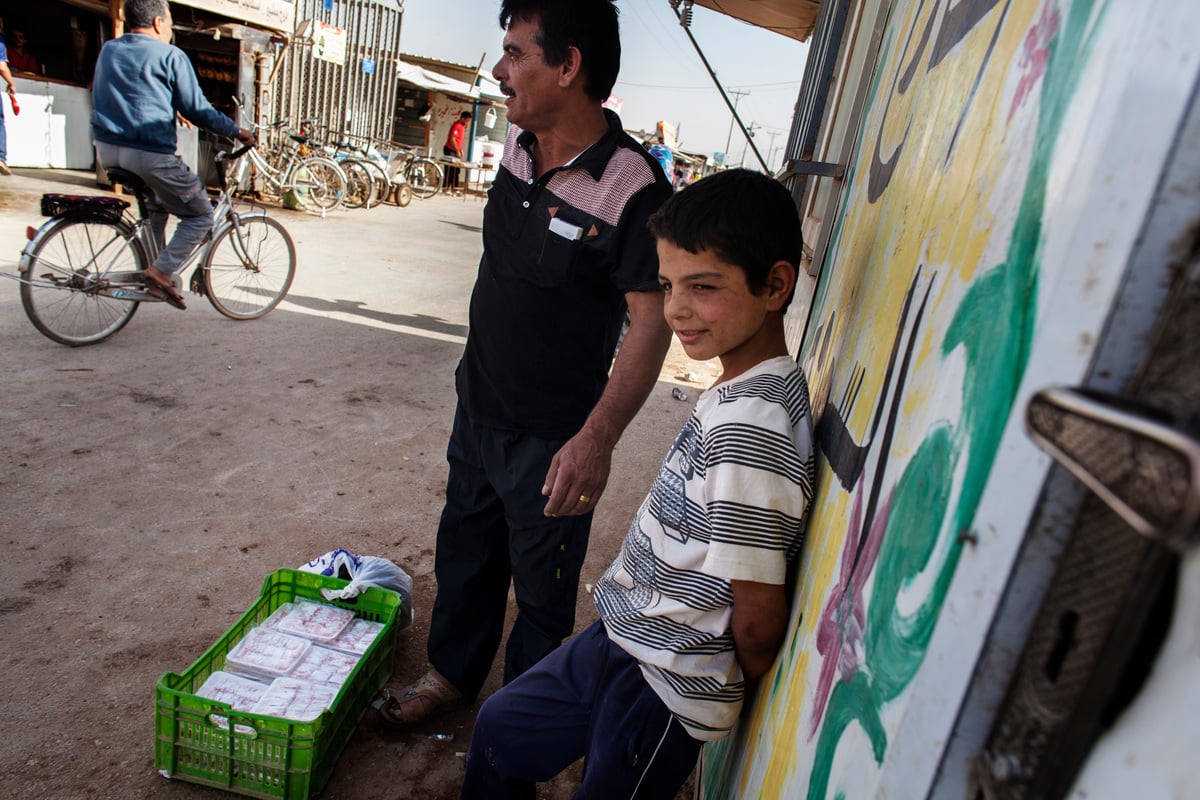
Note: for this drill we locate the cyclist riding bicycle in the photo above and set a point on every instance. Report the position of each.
(142, 83)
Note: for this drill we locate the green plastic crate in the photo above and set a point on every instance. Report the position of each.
(268, 756)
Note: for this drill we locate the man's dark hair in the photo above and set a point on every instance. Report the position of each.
(587, 25)
(141, 13)
(465, 115)
(745, 218)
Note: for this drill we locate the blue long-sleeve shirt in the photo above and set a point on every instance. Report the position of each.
(139, 84)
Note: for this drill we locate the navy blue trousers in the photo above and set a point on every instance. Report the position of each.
(492, 533)
(586, 699)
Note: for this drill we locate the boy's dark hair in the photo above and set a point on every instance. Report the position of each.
(141, 13)
(588, 25)
(745, 218)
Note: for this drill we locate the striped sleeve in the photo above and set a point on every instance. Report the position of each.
(759, 483)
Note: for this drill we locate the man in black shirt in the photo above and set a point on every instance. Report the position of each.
(566, 254)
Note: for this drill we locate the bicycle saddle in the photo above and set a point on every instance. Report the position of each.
(126, 179)
(300, 139)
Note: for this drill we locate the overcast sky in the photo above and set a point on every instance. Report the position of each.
(662, 77)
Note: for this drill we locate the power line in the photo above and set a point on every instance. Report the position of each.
(708, 88)
(724, 95)
(670, 40)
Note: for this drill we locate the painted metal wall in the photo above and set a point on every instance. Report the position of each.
(345, 97)
(1006, 159)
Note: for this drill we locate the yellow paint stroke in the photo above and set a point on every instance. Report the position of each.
(783, 738)
(939, 217)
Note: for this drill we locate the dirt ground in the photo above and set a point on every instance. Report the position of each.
(150, 483)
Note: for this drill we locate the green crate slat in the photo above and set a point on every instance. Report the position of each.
(261, 756)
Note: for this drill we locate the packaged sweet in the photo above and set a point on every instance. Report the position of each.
(357, 637)
(266, 654)
(298, 700)
(240, 694)
(315, 621)
(237, 692)
(323, 665)
(278, 614)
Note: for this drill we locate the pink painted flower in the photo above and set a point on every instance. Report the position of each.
(840, 630)
(1035, 54)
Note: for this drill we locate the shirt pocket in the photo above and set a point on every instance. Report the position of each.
(566, 256)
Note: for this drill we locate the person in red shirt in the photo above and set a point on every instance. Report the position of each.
(454, 148)
(20, 59)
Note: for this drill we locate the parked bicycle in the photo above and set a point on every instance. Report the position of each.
(367, 182)
(372, 177)
(422, 174)
(315, 179)
(367, 185)
(82, 273)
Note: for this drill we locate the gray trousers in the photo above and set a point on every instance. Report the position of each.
(176, 190)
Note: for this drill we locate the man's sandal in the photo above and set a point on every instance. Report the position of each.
(163, 291)
(429, 697)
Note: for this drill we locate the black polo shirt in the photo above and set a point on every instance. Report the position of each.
(559, 254)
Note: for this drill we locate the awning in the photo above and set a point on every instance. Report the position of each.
(488, 88)
(791, 18)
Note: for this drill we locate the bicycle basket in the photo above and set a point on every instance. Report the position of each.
(106, 209)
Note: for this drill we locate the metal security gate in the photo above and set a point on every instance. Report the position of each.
(356, 97)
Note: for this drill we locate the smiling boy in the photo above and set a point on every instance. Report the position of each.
(695, 604)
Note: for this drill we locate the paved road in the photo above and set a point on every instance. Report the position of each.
(401, 269)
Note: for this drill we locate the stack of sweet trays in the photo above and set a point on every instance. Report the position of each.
(267, 709)
(291, 654)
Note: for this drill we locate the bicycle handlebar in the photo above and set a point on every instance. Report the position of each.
(234, 155)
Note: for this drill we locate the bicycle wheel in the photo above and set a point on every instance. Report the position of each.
(383, 186)
(425, 177)
(61, 290)
(321, 180)
(359, 185)
(249, 267)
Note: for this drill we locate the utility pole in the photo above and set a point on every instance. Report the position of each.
(750, 135)
(738, 93)
(771, 148)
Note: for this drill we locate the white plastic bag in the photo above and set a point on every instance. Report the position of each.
(364, 571)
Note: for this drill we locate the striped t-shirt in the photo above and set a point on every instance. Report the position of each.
(728, 504)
